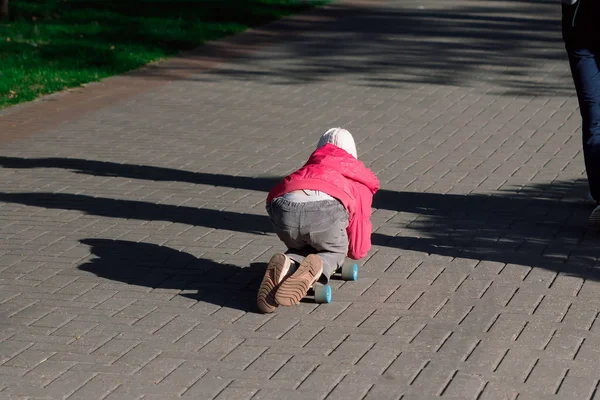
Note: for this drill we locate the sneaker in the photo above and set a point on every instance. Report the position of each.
(594, 219)
(277, 269)
(294, 288)
(590, 198)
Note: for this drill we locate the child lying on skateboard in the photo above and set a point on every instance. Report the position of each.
(322, 214)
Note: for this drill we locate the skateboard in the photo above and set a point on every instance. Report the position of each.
(348, 272)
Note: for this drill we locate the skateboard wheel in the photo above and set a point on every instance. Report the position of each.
(322, 293)
(350, 272)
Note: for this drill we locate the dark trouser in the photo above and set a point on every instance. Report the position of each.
(317, 227)
(585, 68)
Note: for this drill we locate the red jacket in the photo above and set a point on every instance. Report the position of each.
(335, 172)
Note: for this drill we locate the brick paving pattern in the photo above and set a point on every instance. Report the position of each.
(133, 233)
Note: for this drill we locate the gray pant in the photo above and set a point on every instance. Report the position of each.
(317, 227)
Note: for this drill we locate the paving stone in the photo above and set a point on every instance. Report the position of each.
(134, 233)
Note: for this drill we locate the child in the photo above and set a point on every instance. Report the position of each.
(322, 214)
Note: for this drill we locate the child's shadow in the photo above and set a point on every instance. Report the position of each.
(159, 267)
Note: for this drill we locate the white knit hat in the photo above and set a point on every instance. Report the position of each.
(340, 138)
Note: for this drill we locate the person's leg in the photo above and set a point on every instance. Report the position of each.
(286, 217)
(285, 223)
(332, 245)
(585, 69)
(324, 229)
(277, 269)
(295, 287)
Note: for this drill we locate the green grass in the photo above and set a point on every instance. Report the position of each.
(50, 45)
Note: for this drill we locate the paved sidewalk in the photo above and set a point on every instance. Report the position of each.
(133, 234)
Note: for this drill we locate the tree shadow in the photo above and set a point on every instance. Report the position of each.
(54, 44)
(144, 172)
(541, 225)
(396, 45)
(141, 210)
(160, 267)
(113, 36)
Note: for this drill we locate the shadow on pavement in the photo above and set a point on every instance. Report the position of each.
(161, 267)
(406, 43)
(542, 226)
(141, 210)
(145, 172)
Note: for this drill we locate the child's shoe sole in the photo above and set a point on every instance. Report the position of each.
(276, 271)
(295, 287)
